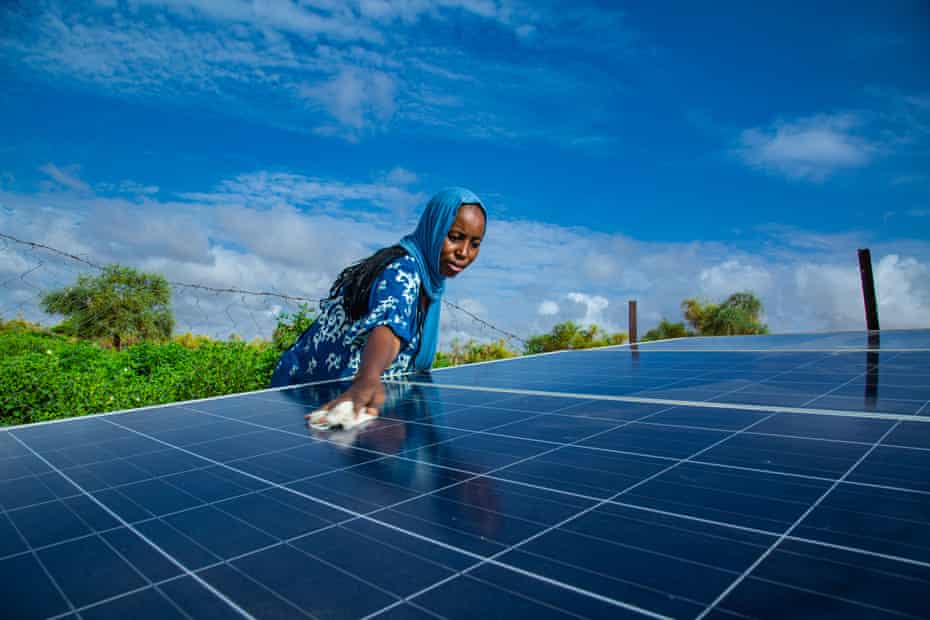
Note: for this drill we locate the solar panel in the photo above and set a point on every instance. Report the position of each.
(738, 478)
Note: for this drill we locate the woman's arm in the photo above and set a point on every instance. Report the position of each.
(366, 390)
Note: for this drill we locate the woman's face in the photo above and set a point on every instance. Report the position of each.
(462, 242)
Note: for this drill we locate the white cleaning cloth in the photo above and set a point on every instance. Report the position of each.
(341, 416)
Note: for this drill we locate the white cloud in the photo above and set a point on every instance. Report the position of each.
(343, 69)
(730, 276)
(600, 267)
(401, 176)
(594, 307)
(809, 148)
(903, 291)
(131, 187)
(126, 187)
(12, 263)
(268, 189)
(148, 231)
(352, 21)
(830, 296)
(806, 240)
(548, 308)
(288, 233)
(281, 16)
(221, 239)
(67, 177)
(356, 99)
(316, 243)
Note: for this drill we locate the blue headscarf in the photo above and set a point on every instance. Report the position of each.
(425, 245)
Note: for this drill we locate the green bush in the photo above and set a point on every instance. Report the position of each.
(291, 326)
(666, 329)
(740, 313)
(44, 376)
(473, 351)
(569, 335)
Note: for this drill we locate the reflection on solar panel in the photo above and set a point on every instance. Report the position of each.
(764, 477)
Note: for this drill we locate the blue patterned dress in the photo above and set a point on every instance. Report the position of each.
(332, 347)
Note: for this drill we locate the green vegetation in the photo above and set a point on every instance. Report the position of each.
(44, 375)
(666, 329)
(119, 304)
(291, 326)
(568, 335)
(114, 350)
(739, 314)
(472, 352)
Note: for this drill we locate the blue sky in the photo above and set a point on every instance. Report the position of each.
(624, 151)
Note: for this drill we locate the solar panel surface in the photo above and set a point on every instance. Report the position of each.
(742, 480)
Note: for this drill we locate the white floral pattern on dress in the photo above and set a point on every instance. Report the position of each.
(332, 347)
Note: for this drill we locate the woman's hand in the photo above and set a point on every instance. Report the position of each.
(367, 392)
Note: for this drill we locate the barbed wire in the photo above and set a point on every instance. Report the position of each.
(477, 319)
(194, 306)
(202, 287)
(49, 248)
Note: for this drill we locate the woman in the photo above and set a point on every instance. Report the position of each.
(382, 314)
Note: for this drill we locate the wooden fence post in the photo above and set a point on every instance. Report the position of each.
(632, 321)
(868, 290)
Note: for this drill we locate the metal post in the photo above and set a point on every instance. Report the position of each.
(632, 321)
(868, 290)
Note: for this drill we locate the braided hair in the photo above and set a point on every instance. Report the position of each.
(356, 280)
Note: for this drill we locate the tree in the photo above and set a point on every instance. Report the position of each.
(473, 351)
(666, 329)
(739, 314)
(290, 326)
(19, 324)
(568, 335)
(121, 303)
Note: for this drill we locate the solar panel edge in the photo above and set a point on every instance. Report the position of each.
(179, 403)
(673, 402)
